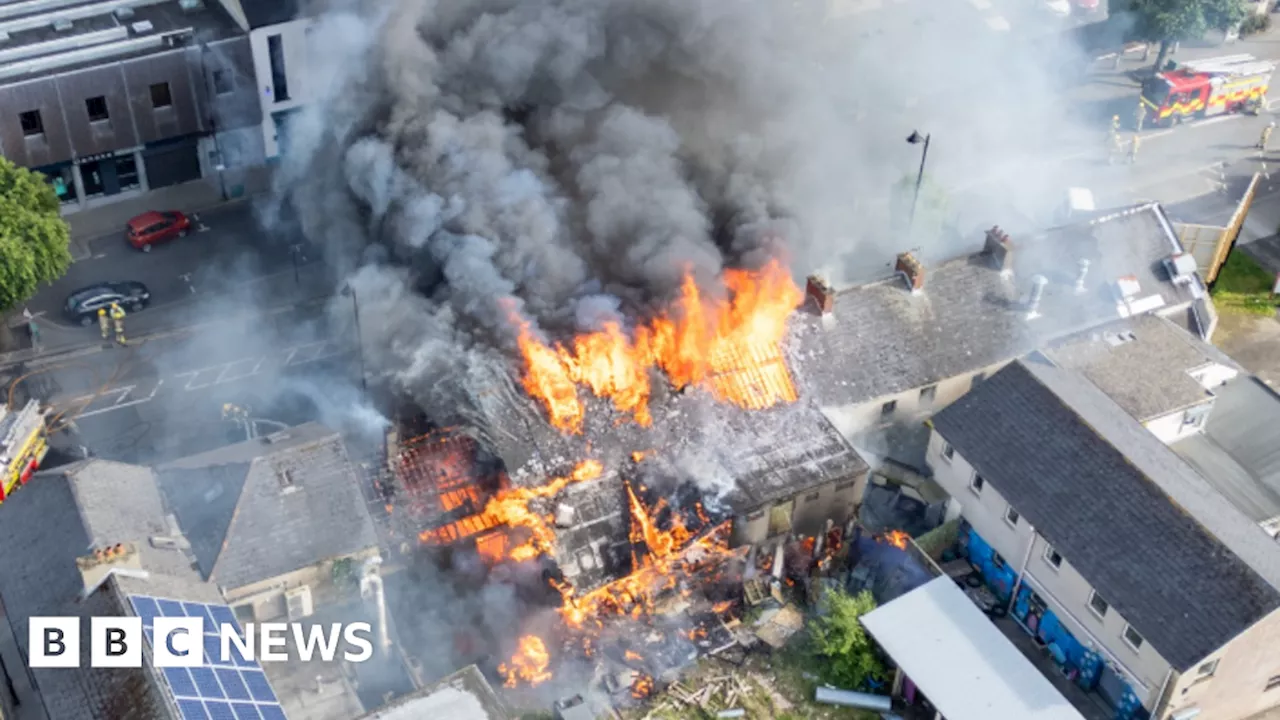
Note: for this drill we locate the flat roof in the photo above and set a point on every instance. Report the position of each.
(464, 695)
(961, 661)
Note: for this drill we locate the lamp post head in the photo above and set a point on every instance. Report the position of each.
(915, 138)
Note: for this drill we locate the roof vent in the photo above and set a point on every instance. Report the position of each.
(143, 26)
(1181, 267)
(124, 13)
(63, 25)
(1117, 339)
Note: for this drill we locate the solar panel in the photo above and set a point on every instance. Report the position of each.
(217, 690)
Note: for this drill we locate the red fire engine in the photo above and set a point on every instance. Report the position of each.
(1203, 88)
(23, 444)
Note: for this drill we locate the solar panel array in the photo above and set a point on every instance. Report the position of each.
(233, 690)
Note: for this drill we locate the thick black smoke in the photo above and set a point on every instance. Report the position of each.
(563, 161)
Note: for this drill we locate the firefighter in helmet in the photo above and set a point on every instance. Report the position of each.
(1266, 135)
(1133, 149)
(103, 323)
(117, 318)
(1140, 115)
(1115, 123)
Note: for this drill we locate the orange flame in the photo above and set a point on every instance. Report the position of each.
(897, 538)
(733, 346)
(529, 664)
(642, 687)
(630, 655)
(721, 607)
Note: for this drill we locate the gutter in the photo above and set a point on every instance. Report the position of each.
(1160, 705)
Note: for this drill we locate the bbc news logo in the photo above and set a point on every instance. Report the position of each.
(116, 642)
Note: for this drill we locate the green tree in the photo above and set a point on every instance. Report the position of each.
(839, 638)
(1171, 21)
(33, 235)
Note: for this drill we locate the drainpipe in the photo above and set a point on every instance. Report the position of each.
(1026, 560)
(1158, 710)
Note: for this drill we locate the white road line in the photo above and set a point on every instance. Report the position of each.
(998, 23)
(124, 394)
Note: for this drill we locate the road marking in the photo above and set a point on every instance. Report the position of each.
(998, 23)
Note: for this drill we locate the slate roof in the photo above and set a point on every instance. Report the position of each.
(882, 340)
(1116, 502)
(1237, 452)
(745, 457)
(1142, 363)
(245, 526)
(59, 516)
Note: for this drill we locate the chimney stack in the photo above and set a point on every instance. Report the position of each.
(94, 568)
(1084, 273)
(1000, 248)
(911, 268)
(1037, 292)
(818, 292)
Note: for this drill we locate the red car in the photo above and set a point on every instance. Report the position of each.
(154, 227)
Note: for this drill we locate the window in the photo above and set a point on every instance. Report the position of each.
(97, 107)
(279, 80)
(32, 124)
(1097, 604)
(1011, 516)
(928, 394)
(998, 560)
(976, 484)
(1207, 669)
(948, 452)
(1132, 637)
(812, 496)
(160, 97)
(1052, 557)
(977, 380)
(887, 409)
(223, 82)
(1273, 682)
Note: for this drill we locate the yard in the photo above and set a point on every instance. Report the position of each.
(1244, 286)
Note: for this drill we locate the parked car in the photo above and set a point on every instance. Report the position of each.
(82, 305)
(154, 227)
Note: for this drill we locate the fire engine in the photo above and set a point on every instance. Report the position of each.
(1204, 88)
(24, 442)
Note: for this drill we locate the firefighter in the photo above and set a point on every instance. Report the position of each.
(1115, 123)
(103, 324)
(1140, 115)
(117, 318)
(1133, 149)
(1266, 135)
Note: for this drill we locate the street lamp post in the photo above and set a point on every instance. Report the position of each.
(348, 291)
(915, 138)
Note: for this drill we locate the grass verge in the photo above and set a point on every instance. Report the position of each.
(1244, 286)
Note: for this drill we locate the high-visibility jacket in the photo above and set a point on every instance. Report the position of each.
(117, 312)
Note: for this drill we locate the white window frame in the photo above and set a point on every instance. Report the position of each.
(948, 451)
(1213, 668)
(1100, 615)
(1273, 682)
(1124, 635)
(1048, 551)
(1016, 517)
(976, 483)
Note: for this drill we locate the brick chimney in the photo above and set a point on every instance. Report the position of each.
(819, 295)
(910, 267)
(94, 568)
(1000, 248)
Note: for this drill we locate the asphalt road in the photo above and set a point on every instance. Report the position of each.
(227, 253)
(163, 399)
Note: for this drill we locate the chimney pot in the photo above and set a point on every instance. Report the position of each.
(1000, 248)
(910, 267)
(820, 293)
